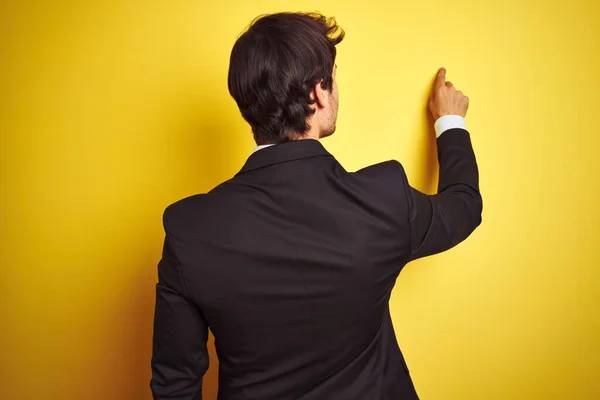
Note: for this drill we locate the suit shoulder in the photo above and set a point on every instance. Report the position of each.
(383, 171)
(197, 205)
(182, 208)
(386, 180)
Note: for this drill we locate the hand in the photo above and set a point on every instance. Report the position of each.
(445, 99)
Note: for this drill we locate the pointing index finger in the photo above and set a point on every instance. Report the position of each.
(440, 79)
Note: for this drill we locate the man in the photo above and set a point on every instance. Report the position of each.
(291, 262)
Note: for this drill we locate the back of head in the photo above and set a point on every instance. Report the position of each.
(274, 66)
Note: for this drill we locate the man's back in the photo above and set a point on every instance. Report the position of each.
(291, 263)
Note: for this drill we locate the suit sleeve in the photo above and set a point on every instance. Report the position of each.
(179, 354)
(441, 221)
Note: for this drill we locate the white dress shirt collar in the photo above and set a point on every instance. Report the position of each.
(262, 146)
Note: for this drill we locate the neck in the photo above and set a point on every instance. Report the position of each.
(310, 134)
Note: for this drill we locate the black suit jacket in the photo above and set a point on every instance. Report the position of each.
(291, 264)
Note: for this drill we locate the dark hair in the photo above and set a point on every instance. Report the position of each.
(273, 68)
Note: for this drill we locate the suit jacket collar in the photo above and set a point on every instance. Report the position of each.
(288, 151)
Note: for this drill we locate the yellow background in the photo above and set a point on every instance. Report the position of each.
(111, 110)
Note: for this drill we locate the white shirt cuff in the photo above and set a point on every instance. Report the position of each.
(448, 122)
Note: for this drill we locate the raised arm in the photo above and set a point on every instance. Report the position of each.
(441, 221)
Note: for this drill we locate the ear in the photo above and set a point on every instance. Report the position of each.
(320, 95)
